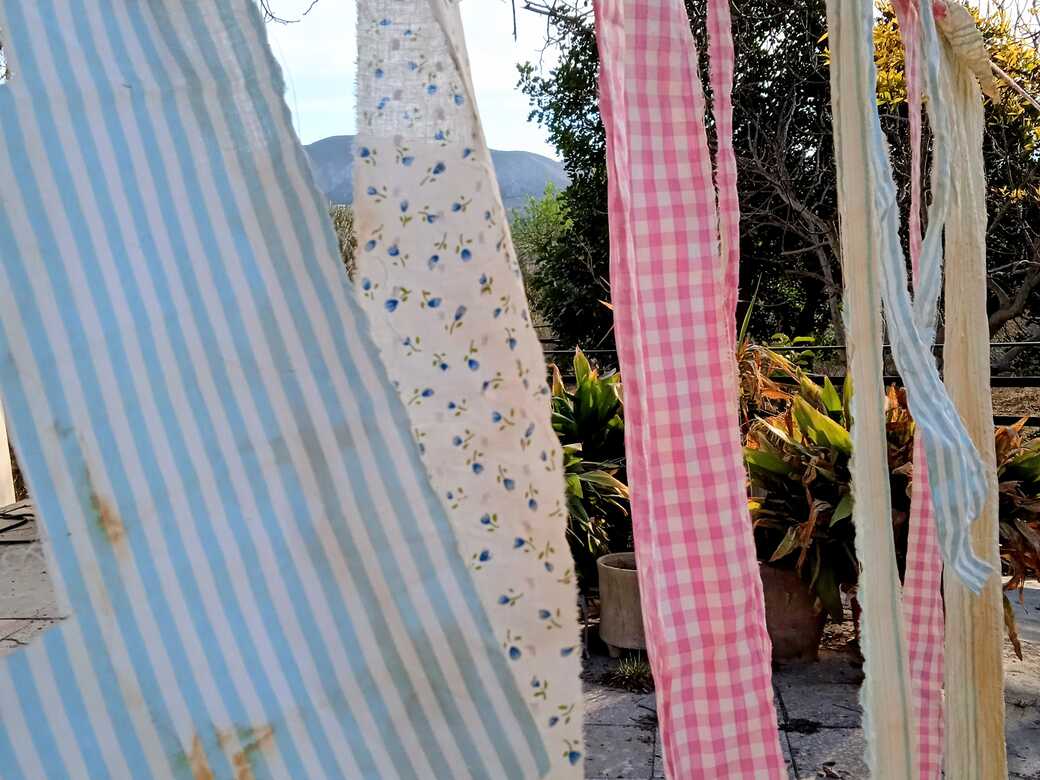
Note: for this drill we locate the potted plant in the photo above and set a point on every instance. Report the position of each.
(588, 419)
(620, 612)
(798, 454)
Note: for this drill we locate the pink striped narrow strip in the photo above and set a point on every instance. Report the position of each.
(721, 61)
(671, 276)
(922, 582)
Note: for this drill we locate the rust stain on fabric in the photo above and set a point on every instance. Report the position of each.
(252, 740)
(108, 520)
(197, 761)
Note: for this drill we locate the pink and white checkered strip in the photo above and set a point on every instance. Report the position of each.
(721, 64)
(922, 583)
(923, 612)
(673, 290)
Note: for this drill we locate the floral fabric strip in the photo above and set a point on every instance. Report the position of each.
(673, 291)
(439, 281)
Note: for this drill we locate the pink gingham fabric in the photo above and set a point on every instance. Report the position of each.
(673, 276)
(922, 583)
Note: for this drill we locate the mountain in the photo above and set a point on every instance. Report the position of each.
(520, 174)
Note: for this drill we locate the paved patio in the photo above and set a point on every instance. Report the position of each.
(818, 713)
(818, 710)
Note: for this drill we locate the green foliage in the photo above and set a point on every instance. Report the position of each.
(588, 420)
(548, 249)
(572, 279)
(797, 450)
(786, 169)
(800, 495)
(805, 358)
(798, 456)
(632, 673)
(590, 415)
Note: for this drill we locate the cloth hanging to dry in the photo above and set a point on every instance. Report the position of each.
(674, 246)
(975, 747)
(440, 283)
(874, 267)
(922, 579)
(888, 717)
(261, 580)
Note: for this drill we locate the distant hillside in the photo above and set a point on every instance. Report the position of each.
(520, 174)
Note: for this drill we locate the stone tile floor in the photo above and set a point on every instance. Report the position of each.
(818, 713)
(818, 710)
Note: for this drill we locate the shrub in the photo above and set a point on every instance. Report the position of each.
(588, 420)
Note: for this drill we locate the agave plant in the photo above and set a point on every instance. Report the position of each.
(589, 422)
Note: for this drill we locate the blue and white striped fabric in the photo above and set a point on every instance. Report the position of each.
(261, 581)
(956, 475)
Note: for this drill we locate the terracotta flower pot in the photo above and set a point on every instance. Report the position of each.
(794, 623)
(621, 614)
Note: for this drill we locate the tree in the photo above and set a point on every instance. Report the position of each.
(278, 16)
(565, 102)
(543, 236)
(783, 140)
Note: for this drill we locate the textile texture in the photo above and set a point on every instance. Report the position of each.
(922, 580)
(975, 747)
(439, 281)
(260, 578)
(958, 484)
(672, 278)
(888, 717)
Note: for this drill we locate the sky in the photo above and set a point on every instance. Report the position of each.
(318, 57)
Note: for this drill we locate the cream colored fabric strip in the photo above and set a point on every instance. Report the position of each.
(6, 466)
(888, 714)
(974, 624)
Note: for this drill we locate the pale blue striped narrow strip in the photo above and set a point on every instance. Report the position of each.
(184, 365)
(957, 478)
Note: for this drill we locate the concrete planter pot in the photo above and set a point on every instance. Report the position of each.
(794, 623)
(621, 614)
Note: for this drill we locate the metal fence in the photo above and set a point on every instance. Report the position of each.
(609, 357)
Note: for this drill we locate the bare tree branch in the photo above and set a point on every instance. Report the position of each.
(271, 16)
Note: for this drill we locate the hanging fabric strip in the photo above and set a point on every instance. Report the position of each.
(957, 477)
(922, 579)
(612, 42)
(701, 591)
(440, 283)
(720, 65)
(888, 718)
(6, 465)
(974, 639)
(262, 581)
